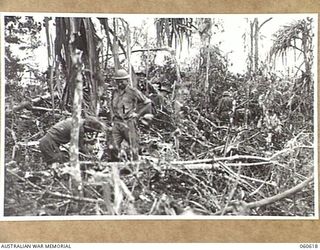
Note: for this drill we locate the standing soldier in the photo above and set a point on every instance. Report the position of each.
(128, 104)
(225, 108)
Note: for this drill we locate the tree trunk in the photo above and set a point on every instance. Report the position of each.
(251, 49)
(305, 55)
(147, 62)
(256, 44)
(62, 52)
(93, 63)
(77, 104)
(57, 80)
(129, 53)
(50, 63)
(206, 83)
(107, 50)
(115, 47)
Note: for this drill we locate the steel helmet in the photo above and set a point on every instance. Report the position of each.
(92, 123)
(121, 74)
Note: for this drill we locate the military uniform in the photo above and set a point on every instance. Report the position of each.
(124, 104)
(60, 134)
(225, 107)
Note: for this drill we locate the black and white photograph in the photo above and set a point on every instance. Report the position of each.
(158, 116)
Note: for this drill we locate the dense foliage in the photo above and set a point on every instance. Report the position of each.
(192, 161)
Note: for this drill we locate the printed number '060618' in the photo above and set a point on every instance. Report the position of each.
(308, 246)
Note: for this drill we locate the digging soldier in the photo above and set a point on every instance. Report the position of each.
(128, 105)
(60, 134)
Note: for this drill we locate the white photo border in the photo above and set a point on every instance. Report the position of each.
(154, 217)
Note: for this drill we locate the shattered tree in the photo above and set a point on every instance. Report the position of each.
(191, 162)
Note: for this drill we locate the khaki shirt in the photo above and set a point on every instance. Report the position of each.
(125, 102)
(61, 132)
(225, 104)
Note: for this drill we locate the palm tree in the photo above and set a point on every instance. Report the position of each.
(254, 35)
(172, 32)
(89, 43)
(205, 32)
(297, 37)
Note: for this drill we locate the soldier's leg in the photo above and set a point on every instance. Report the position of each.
(133, 138)
(62, 156)
(117, 138)
(50, 150)
(52, 154)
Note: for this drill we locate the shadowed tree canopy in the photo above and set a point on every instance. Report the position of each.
(90, 44)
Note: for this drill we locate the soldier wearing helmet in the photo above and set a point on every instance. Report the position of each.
(225, 106)
(60, 134)
(128, 105)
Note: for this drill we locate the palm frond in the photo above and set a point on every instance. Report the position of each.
(287, 37)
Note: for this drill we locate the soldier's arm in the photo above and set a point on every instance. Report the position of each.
(145, 108)
(111, 104)
(144, 104)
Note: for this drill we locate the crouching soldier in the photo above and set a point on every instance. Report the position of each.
(60, 134)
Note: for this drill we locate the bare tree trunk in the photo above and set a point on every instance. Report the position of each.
(57, 79)
(251, 49)
(50, 63)
(178, 81)
(256, 44)
(115, 47)
(305, 55)
(205, 36)
(114, 44)
(129, 54)
(147, 62)
(206, 84)
(254, 39)
(108, 46)
(77, 103)
(93, 65)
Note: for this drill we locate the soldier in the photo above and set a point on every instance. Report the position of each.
(60, 134)
(128, 105)
(225, 107)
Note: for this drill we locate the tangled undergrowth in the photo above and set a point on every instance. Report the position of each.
(189, 165)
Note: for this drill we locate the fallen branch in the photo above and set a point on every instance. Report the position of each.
(29, 104)
(28, 144)
(35, 108)
(267, 201)
(23, 179)
(191, 165)
(56, 194)
(241, 157)
(233, 190)
(205, 144)
(278, 197)
(21, 106)
(75, 198)
(11, 163)
(234, 175)
(230, 158)
(289, 149)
